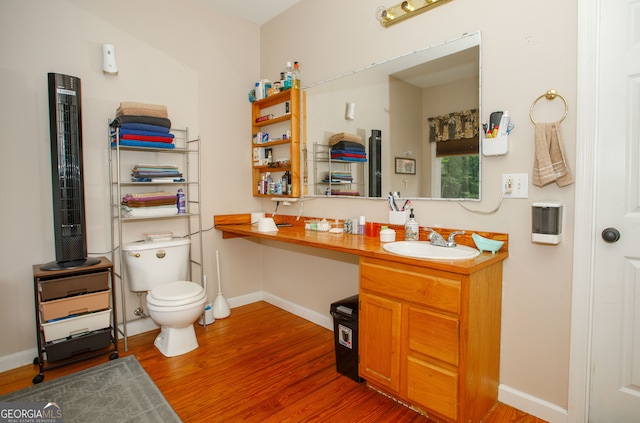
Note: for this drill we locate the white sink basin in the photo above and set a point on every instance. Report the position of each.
(423, 249)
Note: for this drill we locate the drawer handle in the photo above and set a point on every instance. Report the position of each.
(136, 255)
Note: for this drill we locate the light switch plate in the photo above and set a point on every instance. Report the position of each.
(519, 184)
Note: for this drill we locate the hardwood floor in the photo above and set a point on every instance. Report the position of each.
(261, 364)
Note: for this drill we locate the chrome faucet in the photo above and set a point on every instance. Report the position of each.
(437, 239)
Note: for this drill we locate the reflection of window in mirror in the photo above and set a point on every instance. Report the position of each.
(454, 139)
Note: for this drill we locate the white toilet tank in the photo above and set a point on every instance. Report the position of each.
(151, 263)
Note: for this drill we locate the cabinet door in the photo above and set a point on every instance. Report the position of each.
(380, 321)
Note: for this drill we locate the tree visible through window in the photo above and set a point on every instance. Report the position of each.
(459, 176)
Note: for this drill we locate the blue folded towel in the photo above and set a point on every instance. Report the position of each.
(144, 127)
(145, 133)
(148, 144)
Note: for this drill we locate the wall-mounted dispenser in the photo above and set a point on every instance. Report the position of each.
(546, 222)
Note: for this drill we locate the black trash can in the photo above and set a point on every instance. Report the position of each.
(345, 335)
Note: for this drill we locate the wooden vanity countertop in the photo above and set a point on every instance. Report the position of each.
(239, 225)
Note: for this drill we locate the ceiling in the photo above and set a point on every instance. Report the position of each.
(255, 11)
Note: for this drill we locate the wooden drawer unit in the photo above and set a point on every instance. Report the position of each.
(431, 338)
(410, 283)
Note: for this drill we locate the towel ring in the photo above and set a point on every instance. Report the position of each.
(549, 95)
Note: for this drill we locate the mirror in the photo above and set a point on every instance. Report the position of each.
(393, 99)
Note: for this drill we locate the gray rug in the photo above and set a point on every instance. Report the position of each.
(117, 391)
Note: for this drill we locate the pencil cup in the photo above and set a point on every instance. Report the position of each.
(397, 217)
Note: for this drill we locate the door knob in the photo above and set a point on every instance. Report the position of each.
(611, 235)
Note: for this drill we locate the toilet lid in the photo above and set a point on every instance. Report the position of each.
(176, 293)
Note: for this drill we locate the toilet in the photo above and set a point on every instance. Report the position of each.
(160, 268)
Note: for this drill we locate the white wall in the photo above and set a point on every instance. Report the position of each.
(522, 57)
(174, 53)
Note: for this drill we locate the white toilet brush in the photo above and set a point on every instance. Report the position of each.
(220, 305)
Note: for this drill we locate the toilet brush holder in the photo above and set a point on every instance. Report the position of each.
(207, 318)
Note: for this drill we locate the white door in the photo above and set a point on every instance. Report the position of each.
(615, 342)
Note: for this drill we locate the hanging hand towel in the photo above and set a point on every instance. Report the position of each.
(550, 163)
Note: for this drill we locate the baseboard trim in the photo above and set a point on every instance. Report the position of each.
(19, 359)
(313, 316)
(532, 405)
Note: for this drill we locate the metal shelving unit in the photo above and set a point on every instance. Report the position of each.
(187, 152)
(322, 161)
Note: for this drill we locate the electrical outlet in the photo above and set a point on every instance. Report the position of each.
(515, 185)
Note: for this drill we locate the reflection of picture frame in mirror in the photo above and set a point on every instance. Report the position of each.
(405, 166)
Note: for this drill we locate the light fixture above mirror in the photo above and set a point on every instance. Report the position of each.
(404, 10)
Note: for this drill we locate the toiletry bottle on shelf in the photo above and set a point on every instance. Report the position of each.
(288, 76)
(296, 75)
(411, 228)
(182, 203)
(285, 183)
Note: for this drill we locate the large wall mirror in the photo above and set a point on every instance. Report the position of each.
(368, 131)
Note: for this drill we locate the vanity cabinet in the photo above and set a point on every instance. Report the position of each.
(275, 127)
(431, 338)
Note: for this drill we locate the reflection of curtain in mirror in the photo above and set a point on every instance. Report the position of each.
(456, 133)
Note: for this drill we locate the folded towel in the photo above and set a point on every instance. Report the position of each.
(348, 145)
(140, 111)
(550, 163)
(153, 195)
(124, 131)
(343, 136)
(149, 211)
(148, 120)
(145, 144)
(146, 138)
(136, 126)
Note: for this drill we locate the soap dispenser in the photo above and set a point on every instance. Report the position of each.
(411, 228)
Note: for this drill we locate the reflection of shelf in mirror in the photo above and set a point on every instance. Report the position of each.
(274, 142)
(339, 183)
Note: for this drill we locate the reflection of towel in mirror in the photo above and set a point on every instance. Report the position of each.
(550, 162)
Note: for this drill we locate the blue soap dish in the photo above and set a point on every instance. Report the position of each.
(486, 244)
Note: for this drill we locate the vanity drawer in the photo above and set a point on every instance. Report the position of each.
(74, 305)
(433, 387)
(410, 283)
(434, 334)
(52, 289)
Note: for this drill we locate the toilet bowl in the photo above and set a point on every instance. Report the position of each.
(175, 306)
(159, 269)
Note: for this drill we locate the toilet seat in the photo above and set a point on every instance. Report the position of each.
(174, 294)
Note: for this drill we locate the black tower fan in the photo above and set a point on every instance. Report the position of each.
(65, 123)
(375, 163)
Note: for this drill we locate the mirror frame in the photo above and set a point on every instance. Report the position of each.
(392, 66)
